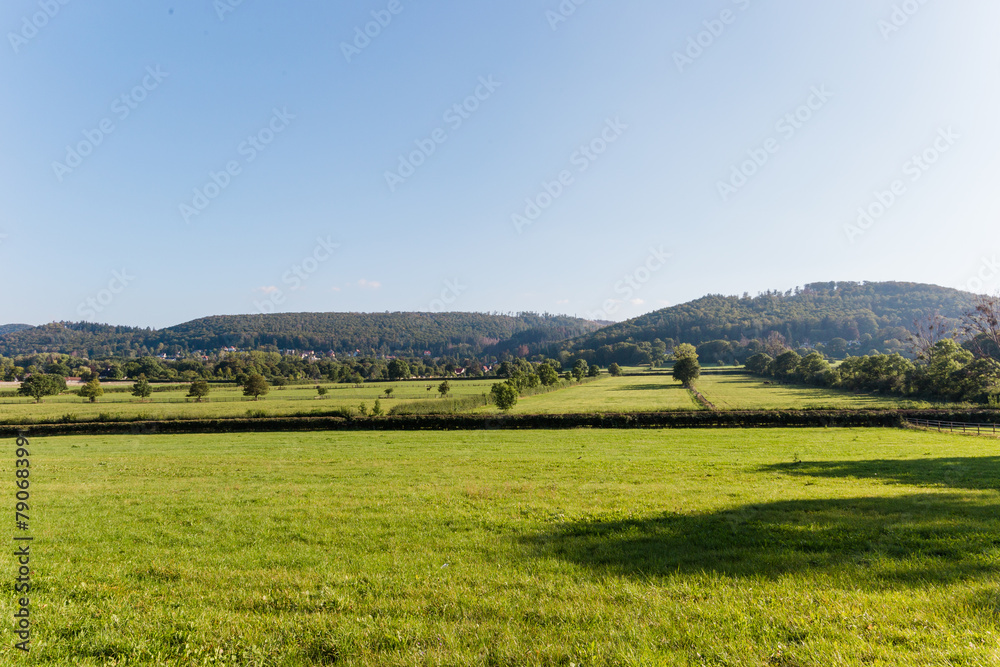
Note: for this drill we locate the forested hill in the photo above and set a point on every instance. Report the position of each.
(12, 328)
(441, 334)
(879, 314)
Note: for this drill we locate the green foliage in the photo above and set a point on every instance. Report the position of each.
(377, 409)
(547, 375)
(615, 370)
(199, 390)
(256, 386)
(444, 388)
(580, 369)
(835, 312)
(504, 395)
(399, 370)
(342, 333)
(92, 390)
(321, 390)
(40, 385)
(687, 370)
(141, 388)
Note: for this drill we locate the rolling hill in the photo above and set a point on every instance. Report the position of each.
(371, 333)
(876, 314)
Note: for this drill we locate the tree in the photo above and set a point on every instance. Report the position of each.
(687, 370)
(322, 391)
(593, 371)
(615, 370)
(686, 366)
(785, 364)
(685, 350)
(256, 386)
(982, 326)
(399, 370)
(377, 409)
(759, 363)
(388, 392)
(363, 409)
(39, 385)
(579, 369)
(547, 375)
(141, 388)
(444, 388)
(92, 390)
(813, 368)
(199, 390)
(504, 395)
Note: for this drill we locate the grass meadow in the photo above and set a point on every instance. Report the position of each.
(727, 389)
(229, 401)
(807, 547)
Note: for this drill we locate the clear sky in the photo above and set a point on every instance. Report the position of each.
(162, 161)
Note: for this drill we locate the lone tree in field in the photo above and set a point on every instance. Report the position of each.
(92, 390)
(388, 392)
(580, 369)
(504, 395)
(615, 370)
(39, 385)
(444, 388)
(199, 390)
(686, 366)
(256, 386)
(141, 388)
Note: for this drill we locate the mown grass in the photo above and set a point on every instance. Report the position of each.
(733, 389)
(230, 402)
(726, 547)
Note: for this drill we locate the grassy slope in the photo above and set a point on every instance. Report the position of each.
(614, 547)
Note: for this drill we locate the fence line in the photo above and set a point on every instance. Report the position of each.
(955, 427)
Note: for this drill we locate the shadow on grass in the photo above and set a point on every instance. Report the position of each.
(973, 473)
(910, 540)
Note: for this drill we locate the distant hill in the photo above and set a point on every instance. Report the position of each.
(371, 333)
(880, 313)
(12, 328)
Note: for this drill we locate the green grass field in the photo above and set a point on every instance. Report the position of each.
(229, 401)
(694, 547)
(732, 389)
(727, 389)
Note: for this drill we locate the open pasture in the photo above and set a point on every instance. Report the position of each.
(230, 402)
(696, 547)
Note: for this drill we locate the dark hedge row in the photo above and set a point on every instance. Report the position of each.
(699, 419)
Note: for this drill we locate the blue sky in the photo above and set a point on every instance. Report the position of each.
(162, 161)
